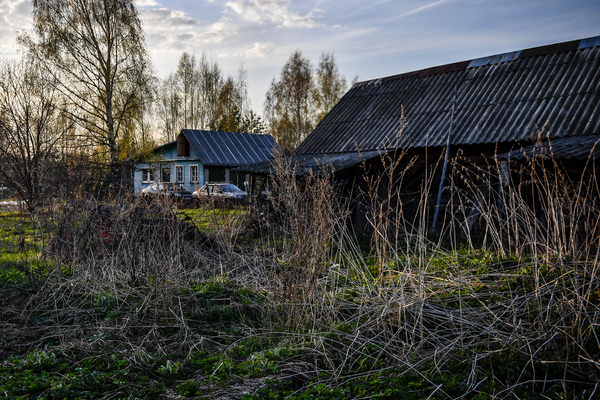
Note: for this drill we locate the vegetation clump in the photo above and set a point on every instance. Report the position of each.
(303, 308)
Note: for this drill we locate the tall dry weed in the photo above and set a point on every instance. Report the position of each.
(506, 279)
(505, 291)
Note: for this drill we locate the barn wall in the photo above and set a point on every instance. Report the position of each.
(523, 201)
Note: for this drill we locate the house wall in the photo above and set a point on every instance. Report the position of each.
(168, 159)
(409, 191)
(225, 174)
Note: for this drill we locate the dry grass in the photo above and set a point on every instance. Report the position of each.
(518, 314)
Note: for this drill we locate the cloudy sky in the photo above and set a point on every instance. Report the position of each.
(370, 38)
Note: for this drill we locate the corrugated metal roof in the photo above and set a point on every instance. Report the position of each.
(575, 147)
(233, 149)
(315, 163)
(510, 97)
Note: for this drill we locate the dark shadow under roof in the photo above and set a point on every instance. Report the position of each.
(232, 149)
(549, 90)
(312, 163)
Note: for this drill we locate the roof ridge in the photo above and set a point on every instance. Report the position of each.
(228, 132)
(555, 48)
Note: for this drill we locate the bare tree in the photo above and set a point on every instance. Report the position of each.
(228, 113)
(241, 84)
(288, 105)
(186, 77)
(234, 113)
(32, 124)
(330, 86)
(212, 83)
(197, 96)
(169, 108)
(95, 54)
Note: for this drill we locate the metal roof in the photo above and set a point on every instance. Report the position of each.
(549, 90)
(315, 163)
(233, 149)
(568, 148)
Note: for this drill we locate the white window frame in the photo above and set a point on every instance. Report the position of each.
(178, 169)
(147, 175)
(194, 177)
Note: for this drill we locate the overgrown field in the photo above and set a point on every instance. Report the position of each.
(122, 301)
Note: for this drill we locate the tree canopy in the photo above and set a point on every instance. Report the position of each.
(95, 53)
(32, 125)
(198, 96)
(287, 104)
(330, 86)
(301, 97)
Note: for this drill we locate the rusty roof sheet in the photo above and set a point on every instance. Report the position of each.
(217, 148)
(549, 90)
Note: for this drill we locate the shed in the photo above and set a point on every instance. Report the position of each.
(485, 107)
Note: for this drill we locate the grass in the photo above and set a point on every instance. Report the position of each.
(18, 246)
(209, 220)
(296, 308)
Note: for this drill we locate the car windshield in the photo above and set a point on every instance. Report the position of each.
(171, 187)
(229, 188)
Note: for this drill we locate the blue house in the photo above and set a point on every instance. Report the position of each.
(198, 157)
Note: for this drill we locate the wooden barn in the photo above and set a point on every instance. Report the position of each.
(470, 128)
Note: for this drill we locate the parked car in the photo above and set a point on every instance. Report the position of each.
(167, 189)
(221, 191)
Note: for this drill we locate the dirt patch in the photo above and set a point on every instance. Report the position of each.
(235, 391)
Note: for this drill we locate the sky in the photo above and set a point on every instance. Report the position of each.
(369, 38)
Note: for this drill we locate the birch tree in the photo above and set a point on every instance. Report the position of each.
(94, 52)
(168, 109)
(329, 86)
(187, 78)
(288, 103)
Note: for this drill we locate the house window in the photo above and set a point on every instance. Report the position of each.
(183, 146)
(193, 173)
(166, 175)
(206, 175)
(147, 175)
(179, 173)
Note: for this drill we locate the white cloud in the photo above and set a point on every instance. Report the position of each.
(260, 50)
(146, 3)
(170, 41)
(275, 11)
(299, 23)
(164, 18)
(216, 33)
(14, 16)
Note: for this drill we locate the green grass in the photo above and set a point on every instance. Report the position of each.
(19, 247)
(209, 220)
(85, 336)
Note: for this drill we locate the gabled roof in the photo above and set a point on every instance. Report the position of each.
(232, 149)
(551, 91)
